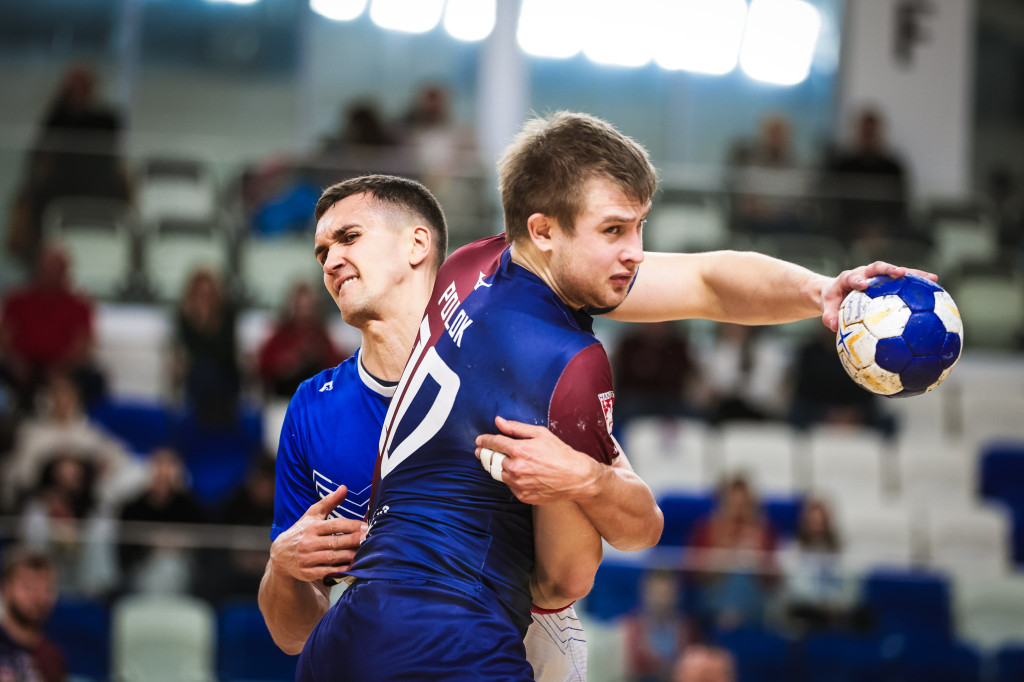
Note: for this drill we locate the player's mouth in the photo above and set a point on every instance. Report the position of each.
(622, 279)
(345, 281)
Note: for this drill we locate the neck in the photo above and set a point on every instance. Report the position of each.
(386, 343)
(22, 634)
(528, 256)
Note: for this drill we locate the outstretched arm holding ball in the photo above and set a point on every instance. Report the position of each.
(741, 287)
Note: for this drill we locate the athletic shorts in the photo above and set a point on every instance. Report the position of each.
(387, 631)
(556, 646)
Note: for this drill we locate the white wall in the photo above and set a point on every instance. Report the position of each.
(927, 103)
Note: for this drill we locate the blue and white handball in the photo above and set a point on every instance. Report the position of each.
(899, 337)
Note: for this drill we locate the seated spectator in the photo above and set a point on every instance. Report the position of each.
(732, 560)
(744, 376)
(657, 632)
(825, 394)
(236, 573)
(769, 190)
(28, 592)
(704, 664)
(818, 594)
(871, 185)
(364, 143)
(153, 559)
(64, 430)
(441, 149)
(298, 347)
(206, 358)
(654, 370)
(47, 327)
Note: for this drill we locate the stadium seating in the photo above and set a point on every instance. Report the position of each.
(698, 225)
(271, 265)
(81, 630)
(989, 610)
(972, 540)
(876, 535)
(669, 454)
(760, 656)
(847, 463)
(843, 658)
(766, 453)
(616, 590)
(681, 512)
(935, 477)
(245, 650)
(1009, 663)
(909, 602)
(163, 639)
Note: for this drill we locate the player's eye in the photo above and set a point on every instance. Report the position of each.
(614, 229)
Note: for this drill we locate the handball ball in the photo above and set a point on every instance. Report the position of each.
(899, 337)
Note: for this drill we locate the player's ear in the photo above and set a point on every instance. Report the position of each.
(420, 244)
(540, 227)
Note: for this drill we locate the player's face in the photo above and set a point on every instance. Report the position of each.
(595, 265)
(361, 258)
(29, 596)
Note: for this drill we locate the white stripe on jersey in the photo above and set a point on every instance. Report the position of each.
(556, 647)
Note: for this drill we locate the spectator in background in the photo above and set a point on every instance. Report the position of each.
(769, 190)
(45, 327)
(658, 631)
(743, 376)
(653, 369)
(871, 185)
(299, 345)
(64, 430)
(825, 394)
(77, 154)
(364, 143)
(236, 573)
(818, 595)
(28, 590)
(733, 564)
(154, 559)
(206, 358)
(440, 148)
(704, 664)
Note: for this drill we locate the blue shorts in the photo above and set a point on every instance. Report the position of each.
(388, 631)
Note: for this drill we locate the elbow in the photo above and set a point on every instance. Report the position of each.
(647, 535)
(289, 647)
(567, 589)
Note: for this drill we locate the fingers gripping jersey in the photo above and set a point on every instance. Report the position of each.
(495, 341)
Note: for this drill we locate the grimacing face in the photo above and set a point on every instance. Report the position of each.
(595, 265)
(361, 257)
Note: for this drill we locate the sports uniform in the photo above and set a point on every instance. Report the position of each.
(495, 340)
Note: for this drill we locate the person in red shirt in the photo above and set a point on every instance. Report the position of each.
(28, 589)
(298, 346)
(46, 326)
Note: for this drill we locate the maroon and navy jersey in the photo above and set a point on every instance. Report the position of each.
(495, 340)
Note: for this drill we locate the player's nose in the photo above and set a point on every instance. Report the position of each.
(335, 258)
(633, 249)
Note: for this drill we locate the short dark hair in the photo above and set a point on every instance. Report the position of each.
(18, 557)
(545, 168)
(392, 191)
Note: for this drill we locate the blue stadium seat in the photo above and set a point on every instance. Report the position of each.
(681, 513)
(616, 590)
(784, 514)
(245, 649)
(841, 658)
(142, 426)
(1009, 662)
(218, 458)
(81, 629)
(1002, 472)
(912, 603)
(760, 656)
(936, 659)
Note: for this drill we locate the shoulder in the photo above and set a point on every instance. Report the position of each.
(328, 380)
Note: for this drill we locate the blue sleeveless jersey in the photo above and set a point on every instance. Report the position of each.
(330, 433)
(495, 340)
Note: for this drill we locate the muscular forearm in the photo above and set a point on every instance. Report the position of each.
(291, 608)
(568, 552)
(727, 286)
(622, 508)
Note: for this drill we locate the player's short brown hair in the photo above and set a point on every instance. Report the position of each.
(402, 195)
(19, 557)
(545, 168)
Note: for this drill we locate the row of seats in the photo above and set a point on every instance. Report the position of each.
(115, 257)
(162, 638)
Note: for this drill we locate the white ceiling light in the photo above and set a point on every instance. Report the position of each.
(619, 33)
(470, 19)
(339, 10)
(552, 28)
(410, 16)
(780, 39)
(699, 35)
(233, 2)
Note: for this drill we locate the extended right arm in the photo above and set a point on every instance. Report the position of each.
(293, 597)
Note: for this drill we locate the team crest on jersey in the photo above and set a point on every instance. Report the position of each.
(607, 401)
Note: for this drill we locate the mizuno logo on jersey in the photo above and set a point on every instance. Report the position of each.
(480, 282)
(328, 386)
(607, 402)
